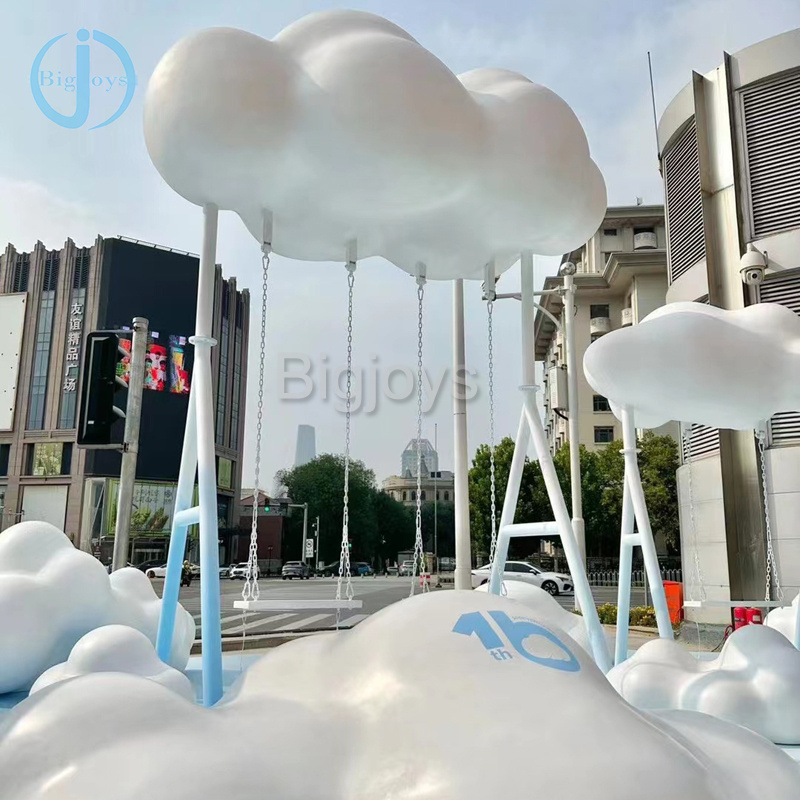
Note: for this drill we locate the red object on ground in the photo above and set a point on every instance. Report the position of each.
(755, 616)
(674, 592)
(739, 617)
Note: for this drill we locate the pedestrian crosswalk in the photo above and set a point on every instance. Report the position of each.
(265, 623)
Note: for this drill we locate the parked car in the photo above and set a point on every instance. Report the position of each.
(295, 569)
(332, 570)
(145, 565)
(239, 571)
(406, 568)
(156, 572)
(364, 569)
(552, 582)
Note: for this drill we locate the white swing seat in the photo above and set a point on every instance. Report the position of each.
(297, 605)
(733, 603)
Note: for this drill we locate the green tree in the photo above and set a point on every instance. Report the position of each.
(395, 527)
(320, 483)
(658, 463)
(444, 530)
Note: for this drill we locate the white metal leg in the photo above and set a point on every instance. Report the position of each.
(625, 568)
(633, 481)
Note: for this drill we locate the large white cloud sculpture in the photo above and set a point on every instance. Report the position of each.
(755, 681)
(52, 594)
(116, 648)
(438, 697)
(544, 608)
(693, 362)
(346, 128)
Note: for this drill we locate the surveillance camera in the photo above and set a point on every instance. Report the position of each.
(568, 268)
(752, 276)
(753, 265)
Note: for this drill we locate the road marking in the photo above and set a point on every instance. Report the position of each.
(303, 623)
(257, 623)
(351, 621)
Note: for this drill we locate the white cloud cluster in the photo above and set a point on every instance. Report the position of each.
(754, 682)
(52, 594)
(693, 362)
(436, 697)
(116, 648)
(784, 619)
(544, 608)
(346, 128)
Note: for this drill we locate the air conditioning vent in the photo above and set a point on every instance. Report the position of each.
(626, 317)
(684, 208)
(703, 441)
(645, 241)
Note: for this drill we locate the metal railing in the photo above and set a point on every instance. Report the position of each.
(611, 577)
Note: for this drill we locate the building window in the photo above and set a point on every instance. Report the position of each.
(649, 229)
(238, 337)
(222, 383)
(600, 403)
(21, 271)
(422, 495)
(447, 495)
(404, 497)
(599, 310)
(75, 324)
(46, 459)
(413, 496)
(224, 473)
(609, 231)
(594, 336)
(5, 453)
(44, 338)
(603, 434)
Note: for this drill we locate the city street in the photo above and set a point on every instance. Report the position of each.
(375, 592)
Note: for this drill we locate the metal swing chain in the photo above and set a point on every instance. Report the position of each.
(419, 550)
(493, 546)
(772, 567)
(251, 591)
(344, 553)
(687, 445)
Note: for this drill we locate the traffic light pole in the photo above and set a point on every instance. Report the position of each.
(305, 529)
(133, 416)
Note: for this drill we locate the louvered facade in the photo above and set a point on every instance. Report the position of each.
(784, 288)
(702, 441)
(770, 113)
(684, 203)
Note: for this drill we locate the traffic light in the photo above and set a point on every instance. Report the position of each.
(104, 389)
(266, 505)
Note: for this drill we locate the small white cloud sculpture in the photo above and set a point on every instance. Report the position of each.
(51, 595)
(434, 697)
(754, 682)
(346, 128)
(116, 648)
(693, 362)
(544, 608)
(784, 619)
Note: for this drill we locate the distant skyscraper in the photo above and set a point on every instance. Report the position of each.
(306, 449)
(430, 459)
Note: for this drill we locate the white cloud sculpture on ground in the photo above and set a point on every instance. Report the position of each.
(693, 362)
(438, 697)
(345, 128)
(754, 682)
(52, 594)
(544, 608)
(116, 648)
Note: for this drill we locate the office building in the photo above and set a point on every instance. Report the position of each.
(51, 300)
(306, 447)
(621, 277)
(435, 483)
(729, 157)
(429, 459)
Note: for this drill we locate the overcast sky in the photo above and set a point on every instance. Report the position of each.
(56, 182)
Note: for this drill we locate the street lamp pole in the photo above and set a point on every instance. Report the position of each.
(436, 500)
(317, 549)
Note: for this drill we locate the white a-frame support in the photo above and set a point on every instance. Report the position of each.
(531, 430)
(198, 459)
(635, 508)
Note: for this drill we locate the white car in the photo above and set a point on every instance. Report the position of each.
(157, 572)
(239, 571)
(552, 582)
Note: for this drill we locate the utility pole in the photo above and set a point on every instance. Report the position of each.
(316, 553)
(130, 447)
(436, 501)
